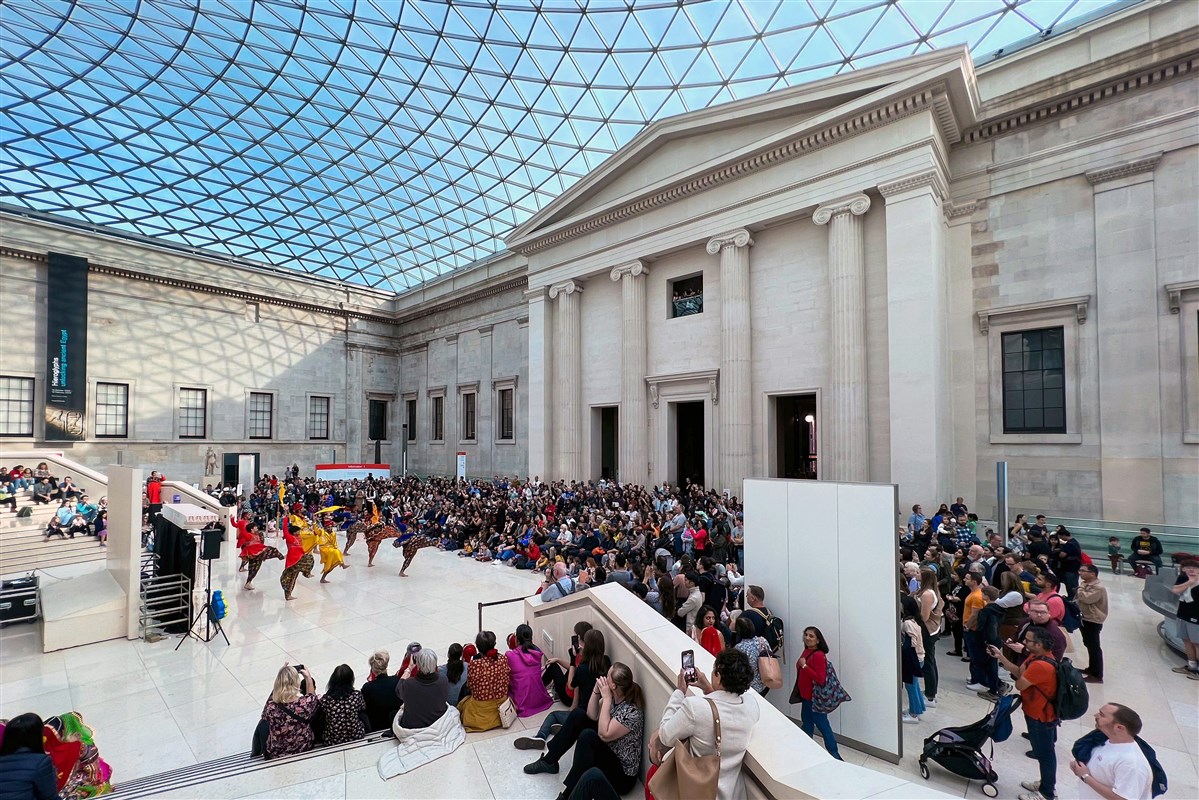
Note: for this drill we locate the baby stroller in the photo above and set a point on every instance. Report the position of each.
(959, 750)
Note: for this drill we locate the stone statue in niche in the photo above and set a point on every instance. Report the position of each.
(210, 462)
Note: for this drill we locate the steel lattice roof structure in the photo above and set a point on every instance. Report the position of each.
(387, 142)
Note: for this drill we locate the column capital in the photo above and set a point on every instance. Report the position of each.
(633, 269)
(857, 205)
(932, 181)
(737, 238)
(565, 287)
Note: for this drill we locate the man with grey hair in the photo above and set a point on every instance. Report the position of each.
(558, 584)
(423, 691)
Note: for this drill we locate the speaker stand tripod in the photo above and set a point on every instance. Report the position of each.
(206, 610)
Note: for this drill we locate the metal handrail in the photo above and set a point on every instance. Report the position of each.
(496, 603)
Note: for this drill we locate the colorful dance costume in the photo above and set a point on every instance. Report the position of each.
(297, 561)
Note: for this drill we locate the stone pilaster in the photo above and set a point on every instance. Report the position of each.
(355, 400)
(540, 417)
(736, 408)
(568, 380)
(634, 420)
(847, 452)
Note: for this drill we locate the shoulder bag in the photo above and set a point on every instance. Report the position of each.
(507, 712)
(769, 668)
(830, 694)
(686, 776)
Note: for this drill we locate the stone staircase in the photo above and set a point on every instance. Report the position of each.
(23, 544)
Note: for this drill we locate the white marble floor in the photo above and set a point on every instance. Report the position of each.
(155, 709)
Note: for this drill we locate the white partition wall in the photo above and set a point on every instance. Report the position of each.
(125, 539)
(826, 555)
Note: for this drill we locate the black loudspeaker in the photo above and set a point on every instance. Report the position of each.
(210, 544)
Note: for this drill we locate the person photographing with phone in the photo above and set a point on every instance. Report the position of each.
(1036, 680)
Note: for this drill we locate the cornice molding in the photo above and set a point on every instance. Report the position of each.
(565, 288)
(710, 376)
(1080, 99)
(956, 210)
(737, 238)
(865, 121)
(457, 301)
(1078, 304)
(931, 179)
(856, 205)
(1175, 291)
(1125, 170)
(634, 269)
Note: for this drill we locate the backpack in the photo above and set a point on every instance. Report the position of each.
(25, 512)
(1083, 747)
(773, 631)
(1072, 696)
(1072, 621)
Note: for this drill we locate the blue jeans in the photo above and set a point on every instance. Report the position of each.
(553, 718)
(915, 698)
(1043, 736)
(810, 720)
(976, 673)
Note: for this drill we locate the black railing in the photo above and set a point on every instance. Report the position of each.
(686, 306)
(496, 603)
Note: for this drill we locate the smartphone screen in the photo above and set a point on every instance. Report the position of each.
(413, 649)
(574, 641)
(689, 665)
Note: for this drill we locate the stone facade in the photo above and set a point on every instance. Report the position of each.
(864, 241)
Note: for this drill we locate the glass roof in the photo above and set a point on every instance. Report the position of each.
(386, 142)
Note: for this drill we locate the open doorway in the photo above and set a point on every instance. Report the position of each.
(605, 442)
(796, 431)
(229, 470)
(689, 442)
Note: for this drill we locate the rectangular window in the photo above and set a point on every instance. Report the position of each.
(193, 413)
(507, 414)
(1034, 383)
(112, 410)
(16, 406)
(687, 296)
(410, 415)
(378, 421)
(262, 406)
(468, 416)
(318, 417)
(438, 420)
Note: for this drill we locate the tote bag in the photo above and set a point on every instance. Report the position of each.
(769, 668)
(686, 776)
(507, 712)
(830, 694)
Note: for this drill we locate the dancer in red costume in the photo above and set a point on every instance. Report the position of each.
(253, 551)
(297, 561)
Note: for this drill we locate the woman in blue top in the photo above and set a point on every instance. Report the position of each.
(25, 769)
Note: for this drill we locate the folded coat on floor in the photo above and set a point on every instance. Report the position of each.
(423, 745)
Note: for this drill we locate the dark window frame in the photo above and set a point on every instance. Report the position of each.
(316, 415)
(254, 415)
(470, 416)
(1034, 380)
(685, 307)
(102, 415)
(186, 419)
(377, 413)
(437, 418)
(20, 403)
(410, 417)
(507, 427)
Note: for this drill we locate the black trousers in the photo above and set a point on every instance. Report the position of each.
(1090, 640)
(592, 755)
(555, 676)
(576, 722)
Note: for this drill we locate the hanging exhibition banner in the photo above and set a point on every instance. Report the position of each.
(461, 465)
(66, 348)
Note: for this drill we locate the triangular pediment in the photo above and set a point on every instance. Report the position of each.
(674, 150)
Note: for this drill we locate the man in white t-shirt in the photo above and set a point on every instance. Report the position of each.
(1117, 769)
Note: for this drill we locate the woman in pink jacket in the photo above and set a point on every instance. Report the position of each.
(526, 688)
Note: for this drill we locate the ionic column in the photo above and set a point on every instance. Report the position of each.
(845, 426)
(634, 457)
(568, 380)
(736, 409)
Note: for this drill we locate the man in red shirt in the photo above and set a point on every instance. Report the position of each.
(1036, 681)
(154, 493)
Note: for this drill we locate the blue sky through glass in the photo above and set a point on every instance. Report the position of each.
(386, 142)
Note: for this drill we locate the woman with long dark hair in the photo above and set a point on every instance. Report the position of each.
(343, 708)
(488, 680)
(25, 769)
(454, 669)
(526, 688)
(609, 755)
(593, 664)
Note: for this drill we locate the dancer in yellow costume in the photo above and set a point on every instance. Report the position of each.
(331, 556)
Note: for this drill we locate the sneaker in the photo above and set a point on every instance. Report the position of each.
(1032, 786)
(1183, 670)
(989, 696)
(909, 719)
(1194, 676)
(976, 687)
(555, 728)
(539, 766)
(529, 743)
(1005, 687)
(931, 702)
(1033, 796)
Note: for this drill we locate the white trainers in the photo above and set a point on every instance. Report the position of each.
(909, 719)
(976, 687)
(1032, 796)
(931, 702)
(1032, 786)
